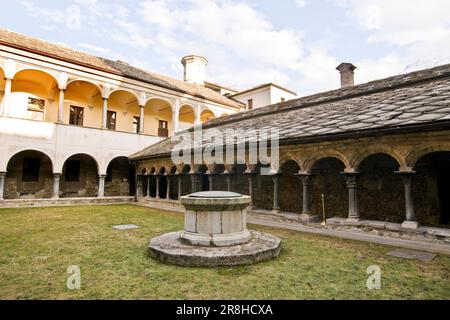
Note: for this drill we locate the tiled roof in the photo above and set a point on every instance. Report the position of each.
(409, 100)
(9, 38)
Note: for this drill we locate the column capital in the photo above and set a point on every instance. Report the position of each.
(407, 176)
(305, 177)
(2, 174)
(250, 173)
(351, 178)
(102, 176)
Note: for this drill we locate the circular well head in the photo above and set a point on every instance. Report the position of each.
(215, 195)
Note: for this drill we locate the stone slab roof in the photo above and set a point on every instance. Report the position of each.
(23, 42)
(405, 101)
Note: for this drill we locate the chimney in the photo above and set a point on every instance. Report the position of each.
(194, 69)
(347, 71)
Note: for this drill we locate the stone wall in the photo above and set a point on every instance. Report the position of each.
(381, 192)
(15, 188)
(328, 180)
(87, 185)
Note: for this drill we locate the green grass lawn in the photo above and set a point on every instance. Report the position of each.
(39, 244)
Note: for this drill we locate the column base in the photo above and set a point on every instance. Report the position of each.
(309, 218)
(276, 210)
(410, 225)
(353, 221)
(53, 198)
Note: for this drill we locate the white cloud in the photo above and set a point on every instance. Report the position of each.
(301, 3)
(417, 31)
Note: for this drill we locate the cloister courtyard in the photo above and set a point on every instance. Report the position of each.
(40, 244)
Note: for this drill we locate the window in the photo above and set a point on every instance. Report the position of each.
(136, 124)
(72, 172)
(76, 116)
(36, 108)
(250, 104)
(163, 129)
(163, 124)
(111, 120)
(30, 171)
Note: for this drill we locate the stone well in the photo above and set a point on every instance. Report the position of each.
(215, 234)
(216, 219)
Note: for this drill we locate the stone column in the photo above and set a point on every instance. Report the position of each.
(105, 113)
(276, 201)
(407, 178)
(176, 117)
(180, 179)
(56, 180)
(211, 181)
(351, 180)
(7, 96)
(2, 184)
(141, 119)
(194, 182)
(61, 106)
(148, 187)
(228, 177)
(306, 185)
(250, 177)
(101, 186)
(198, 112)
(158, 179)
(139, 186)
(169, 178)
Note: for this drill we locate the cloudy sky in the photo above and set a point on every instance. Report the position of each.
(296, 43)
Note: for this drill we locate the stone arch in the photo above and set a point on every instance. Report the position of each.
(98, 86)
(239, 181)
(206, 115)
(54, 75)
(170, 103)
(327, 180)
(29, 174)
(133, 93)
(93, 157)
(124, 106)
(163, 182)
(79, 176)
(37, 84)
(311, 161)
(173, 183)
(357, 159)
(378, 180)
(186, 116)
(87, 95)
(185, 171)
(420, 151)
(431, 187)
(290, 196)
(4, 165)
(290, 157)
(158, 117)
(119, 178)
(201, 170)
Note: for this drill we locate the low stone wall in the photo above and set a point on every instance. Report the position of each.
(27, 203)
(379, 228)
(393, 230)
